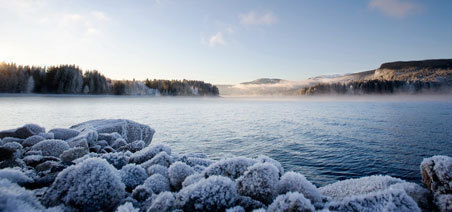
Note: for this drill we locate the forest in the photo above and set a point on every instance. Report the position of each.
(375, 87)
(70, 79)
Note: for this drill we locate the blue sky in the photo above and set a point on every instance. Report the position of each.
(223, 42)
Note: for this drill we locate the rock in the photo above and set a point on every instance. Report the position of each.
(437, 174)
(13, 162)
(117, 159)
(51, 147)
(162, 159)
(90, 135)
(259, 182)
(64, 134)
(15, 176)
(8, 133)
(140, 193)
(292, 201)
(132, 175)
(177, 173)
(164, 201)
(79, 143)
(443, 202)
(157, 169)
(47, 135)
(15, 198)
(157, 184)
(131, 131)
(29, 130)
(71, 154)
(18, 149)
(102, 143)
(118, 143)
(32, 140)
(148, 153)
(134, 146)
(6, 153)
(53, 166)
(295, 182)
(33, 160)
(11, 139)
(230, 167)
(95, 148)
(109, 137)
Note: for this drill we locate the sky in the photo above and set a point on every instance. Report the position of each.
(223, 41)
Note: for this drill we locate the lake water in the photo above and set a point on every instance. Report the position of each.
(325, 139)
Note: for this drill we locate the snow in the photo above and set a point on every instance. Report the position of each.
(259, 182)
(291, 201)
(93, 184)
(14, 176)
(215, 193)
(157, 169)
(157, 184)
(51, 147)
(133, 175)
(295, 182)
(148, 153)
(230, 167)
(390, 200)
(177, 173)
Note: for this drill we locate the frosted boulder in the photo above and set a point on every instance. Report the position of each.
(117, 159)
(383, 201)
(419, 194)
(157, 183)
(162, 159)
(177, 173)
(133, 175)
(437, 174)
(32, 140)
(51, 147)
(443, 202)
(71, 154)
(127, 207)
(164, 201)
(18, 149)
(157, 169)
(295, 182)
(292, 201)
(141, 193)
(134, 146)
(230, 167)
(91, 185)
(192, 179)
(17, 199)
(109, 137)
(23, 132)
(215, 193)
(64, 134)
(148, 153)
(15, 176)
(90, 135)
(363, 185)
(264, 159)
(259, 182)
(195, 161)
(129, 130)
(236, 209)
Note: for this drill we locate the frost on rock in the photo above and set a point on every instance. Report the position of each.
(437, 174)
(91, 185)
(32, 140)
(117, 159)
(141, 193)
(230, 167)
(192, 179)
(419, 194)
(264, 159)
(64, 134)
(23, 132)
(291, 201)
(236, 209)
(363, 185)
(196, 161)
(390, 200)
(15, 198)
(133, 175)
(157, 169)
(295, 182)
(177, 173)
(90, 135)
(134, 146)
(51, 147)
(15, 176)
(157, 183)
(131, 131)
(164, 201)
(259, 182)
(443, 202)
(127, 207)
(162, 159)
(148, 153)
(215, 193)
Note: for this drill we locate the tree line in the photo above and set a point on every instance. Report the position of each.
(375, 87)
(70, 79)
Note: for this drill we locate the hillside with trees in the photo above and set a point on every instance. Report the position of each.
(70, 79)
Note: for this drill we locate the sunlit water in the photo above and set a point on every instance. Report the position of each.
(326, 140)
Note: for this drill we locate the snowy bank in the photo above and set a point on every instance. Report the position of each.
(111, 165)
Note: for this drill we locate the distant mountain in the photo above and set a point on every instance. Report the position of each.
(393, 77)
(261, 81)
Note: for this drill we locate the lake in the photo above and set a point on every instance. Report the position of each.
(326, 139)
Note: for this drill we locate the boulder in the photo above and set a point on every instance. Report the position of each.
(64, 134)
(71, 154)
(51, 147)
(32, 140)
(131, 131)
(23, 132)
(437, 174)
(259, 182)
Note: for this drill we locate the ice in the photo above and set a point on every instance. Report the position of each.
(133, 175)
(51, 147)
(259, 182)
(291, 201)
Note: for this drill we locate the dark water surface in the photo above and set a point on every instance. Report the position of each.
(324, 139)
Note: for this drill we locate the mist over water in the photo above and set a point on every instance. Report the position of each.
(325, 138)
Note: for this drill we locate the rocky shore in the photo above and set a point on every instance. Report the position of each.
(111, 165)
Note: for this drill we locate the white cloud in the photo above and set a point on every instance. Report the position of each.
(254, 18)
(217, 39)
(395, 8)
(99, 15)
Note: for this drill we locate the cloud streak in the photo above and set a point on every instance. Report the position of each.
(395, 8)
(255, 18)
(217, 39)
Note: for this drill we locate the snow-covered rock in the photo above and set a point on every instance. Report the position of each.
(127, 207)
(148, 153)
(295, 182)
(157, 184)
(157, 169)
(32, 140)
(90, 185)
(23, 132)
(164, 201)
(443, 202)
(230, 167)
(161, 158)
(177, 173)
(117, 159)
(259, 182)
(51, 147)
(133, 175)
(215, 193)
(71, 154)
(15, 176)
(437, 174)
(63, 133)
(14, 198)
(131, 131)
(291, 201)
